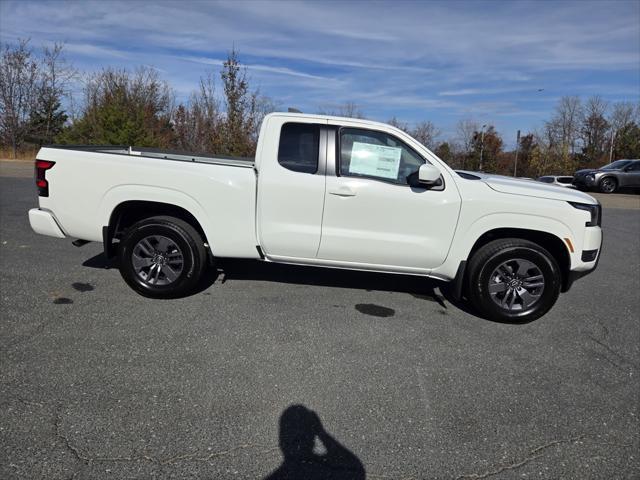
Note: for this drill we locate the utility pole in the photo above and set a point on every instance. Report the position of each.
(515, 166)
(613, 136)
(481, 147)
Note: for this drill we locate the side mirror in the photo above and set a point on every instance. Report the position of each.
(428, 174)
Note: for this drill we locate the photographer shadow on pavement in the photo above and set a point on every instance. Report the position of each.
(310, 453)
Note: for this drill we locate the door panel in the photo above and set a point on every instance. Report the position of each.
(290, 190)
(386, 224)
(384, 221)
(631, 178)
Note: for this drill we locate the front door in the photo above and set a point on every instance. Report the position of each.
(375, 215)
(631, 177)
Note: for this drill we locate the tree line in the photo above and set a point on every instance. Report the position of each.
(121, 107)
(138, 107)
(579, 135)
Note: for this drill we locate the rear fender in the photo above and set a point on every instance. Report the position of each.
(124, 193)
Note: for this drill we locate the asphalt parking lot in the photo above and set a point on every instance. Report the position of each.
(100, 383)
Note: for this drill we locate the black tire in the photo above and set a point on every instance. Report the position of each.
(608, 185)
(510, 253)
(181, 239)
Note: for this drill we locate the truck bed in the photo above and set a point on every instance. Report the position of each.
(174, 155)
(88, 182)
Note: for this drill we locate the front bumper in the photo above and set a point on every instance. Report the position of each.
(578, 274)
(584, 181)
(589, 257)
(44, 223)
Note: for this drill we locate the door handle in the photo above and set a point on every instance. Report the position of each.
(342, 192)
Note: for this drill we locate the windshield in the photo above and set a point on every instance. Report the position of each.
(617, 165)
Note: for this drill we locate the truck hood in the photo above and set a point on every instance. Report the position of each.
(532, 188)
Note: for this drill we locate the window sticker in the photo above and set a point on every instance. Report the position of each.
(375, 160)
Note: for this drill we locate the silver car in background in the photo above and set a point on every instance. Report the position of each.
(608, 179)
(561, 180)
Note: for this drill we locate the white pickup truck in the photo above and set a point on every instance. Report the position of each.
(322, 191)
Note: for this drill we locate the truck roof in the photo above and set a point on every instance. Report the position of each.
(336, 119)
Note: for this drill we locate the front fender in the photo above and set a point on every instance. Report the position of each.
(511, 220)
(466, 238)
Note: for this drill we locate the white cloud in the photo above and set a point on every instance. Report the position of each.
(94, 50)
(257, 67)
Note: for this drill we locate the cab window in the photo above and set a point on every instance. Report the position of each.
(377, 155)
(298, 149)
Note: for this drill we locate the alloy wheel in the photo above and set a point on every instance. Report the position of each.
(608, 185)
(157, 260)
(516, 285)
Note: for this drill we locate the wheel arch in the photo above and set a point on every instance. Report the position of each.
(129, 212)
(550, 242)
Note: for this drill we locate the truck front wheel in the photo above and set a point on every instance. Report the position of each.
(513, 280)
(162, 257)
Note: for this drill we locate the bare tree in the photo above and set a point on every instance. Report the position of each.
(347, 109)
(207, 116)
(241, 108)
(623, 114)
(465, 132)
(394, 122)
(18, 93)
(426, 133)
(566, 122)
(456, 153)
(264, 106)
(594, 128)
(48, 117)
(542, 152)
(350, 109)
(198, 124)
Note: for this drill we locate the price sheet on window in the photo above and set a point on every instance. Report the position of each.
(375, 160)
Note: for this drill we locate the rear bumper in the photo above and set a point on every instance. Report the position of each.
(44, 223)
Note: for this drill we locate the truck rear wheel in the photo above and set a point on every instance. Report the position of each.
(513, 280)
(162, 257)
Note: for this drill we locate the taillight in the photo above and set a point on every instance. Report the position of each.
(41, 182)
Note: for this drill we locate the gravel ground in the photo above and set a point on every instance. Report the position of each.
(100, 383)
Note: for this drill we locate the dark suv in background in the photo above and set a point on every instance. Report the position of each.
(608, 179)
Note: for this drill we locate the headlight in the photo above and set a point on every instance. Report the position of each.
(594, 210)
(591, 177)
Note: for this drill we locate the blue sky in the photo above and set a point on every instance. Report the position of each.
(504, 63)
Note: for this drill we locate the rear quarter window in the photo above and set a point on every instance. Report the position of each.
(299, 147)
